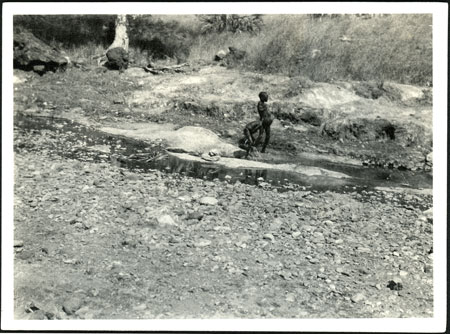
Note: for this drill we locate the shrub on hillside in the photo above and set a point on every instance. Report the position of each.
(160, 39)
(233, 23)
(69, 30)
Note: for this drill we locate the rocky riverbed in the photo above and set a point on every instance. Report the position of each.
(94, 240)
(107, 227)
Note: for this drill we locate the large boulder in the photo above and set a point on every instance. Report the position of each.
(220, 55)
(32, 54)
(197, 140)
(189, 139)
(117, 59)
(230, 57)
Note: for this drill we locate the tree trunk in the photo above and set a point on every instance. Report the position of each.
(121, 38)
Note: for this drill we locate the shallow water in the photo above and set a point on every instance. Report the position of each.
(89, 144)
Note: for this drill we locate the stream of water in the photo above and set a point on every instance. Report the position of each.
(92, 145)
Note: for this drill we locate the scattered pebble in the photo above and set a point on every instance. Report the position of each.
(357, 298)
(166, 220)
(71, 305)
(290, 297)
(202, 243)
(427, 268)
(247, 210)
(196, 215)
(208, 201)
(395, 284)
(296, 234)
(140, 307)
(18, 243)
(37, 315)
(429, 214)
(276, 224)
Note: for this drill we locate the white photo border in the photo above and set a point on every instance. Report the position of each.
(440, 28)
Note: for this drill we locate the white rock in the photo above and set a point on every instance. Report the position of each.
(18, 243)
(208, 201)
(358, 297)
(140, 307)
(428, 214)
(276, 224)
(202, 243)
(166, 220)
(183, 199)
(296, 234)
(290, 297)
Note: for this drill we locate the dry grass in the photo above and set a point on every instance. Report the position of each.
(383, 48)
(393, 47)
(85, 53)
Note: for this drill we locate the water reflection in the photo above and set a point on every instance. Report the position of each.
(140, 156)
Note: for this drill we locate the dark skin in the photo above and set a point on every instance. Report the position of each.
(265, 129)
(250, 129)
(266, 119)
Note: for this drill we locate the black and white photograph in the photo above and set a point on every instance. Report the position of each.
(246, 166)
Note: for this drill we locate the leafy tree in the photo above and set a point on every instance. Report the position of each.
(69, 30)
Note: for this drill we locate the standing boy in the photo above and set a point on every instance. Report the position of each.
(266, 120)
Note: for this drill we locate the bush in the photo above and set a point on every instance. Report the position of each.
(69, 30)
(160, 38)
(232, 23)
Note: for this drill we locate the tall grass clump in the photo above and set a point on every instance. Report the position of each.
(348, 47)
(390, 47)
